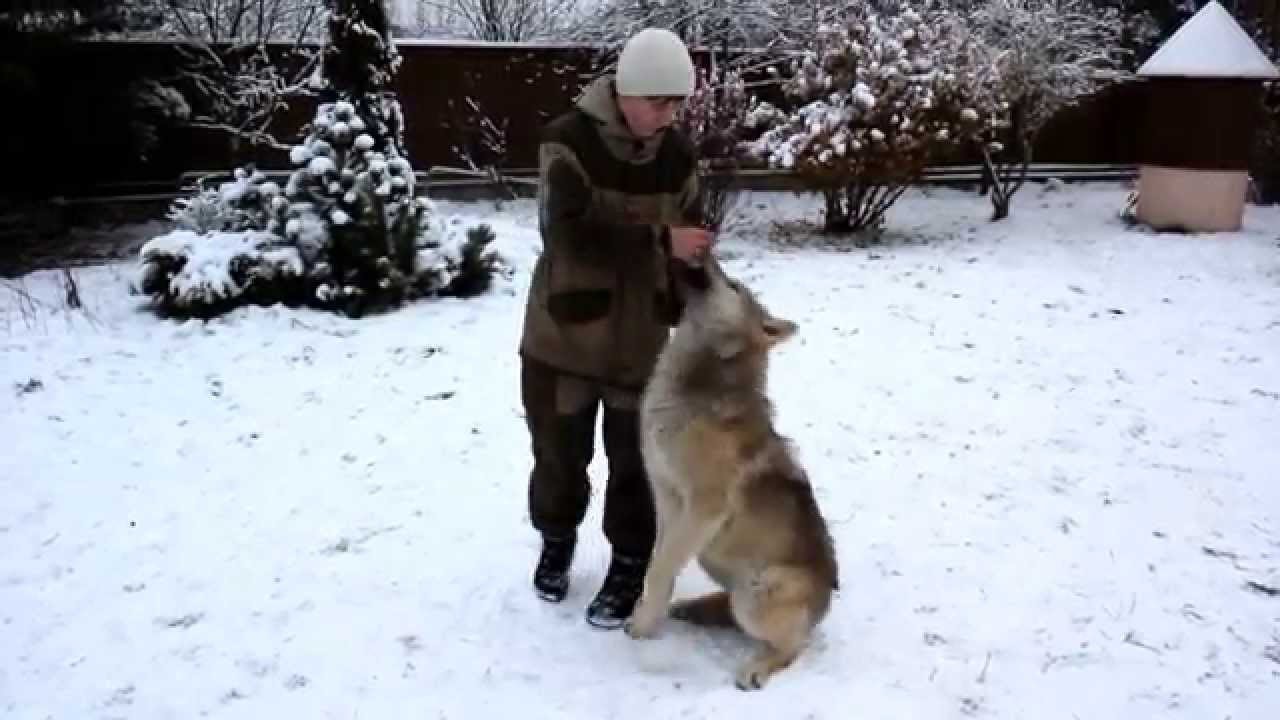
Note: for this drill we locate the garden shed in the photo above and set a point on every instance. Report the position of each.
(1202, 93)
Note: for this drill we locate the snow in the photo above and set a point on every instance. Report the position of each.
(1046, 448)
(862, 97)
(320, 166)
(1210, 45)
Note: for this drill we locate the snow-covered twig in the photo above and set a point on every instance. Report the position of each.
(29, 306)
(33, 310)
(481, 142)
(225, 79)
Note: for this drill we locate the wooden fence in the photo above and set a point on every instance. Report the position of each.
(444, 90)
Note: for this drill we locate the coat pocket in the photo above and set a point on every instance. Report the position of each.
(579, 306)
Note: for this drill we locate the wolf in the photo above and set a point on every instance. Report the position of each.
(728, 489)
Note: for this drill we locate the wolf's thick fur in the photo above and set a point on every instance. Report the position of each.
(727, 488)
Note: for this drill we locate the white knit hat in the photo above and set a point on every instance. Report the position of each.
(655, 62)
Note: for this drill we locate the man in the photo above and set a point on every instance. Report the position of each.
(619, 210)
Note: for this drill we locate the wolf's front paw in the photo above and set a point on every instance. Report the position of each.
(637, 631)
(643, 623)
(752, 675)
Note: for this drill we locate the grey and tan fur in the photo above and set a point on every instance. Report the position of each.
(727, 488)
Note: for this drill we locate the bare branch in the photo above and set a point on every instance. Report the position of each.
(250, 21)
(729, 25)
(497, 20)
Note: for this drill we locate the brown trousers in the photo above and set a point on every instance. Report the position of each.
(561, 413)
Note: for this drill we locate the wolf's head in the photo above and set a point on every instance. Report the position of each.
(723, 315)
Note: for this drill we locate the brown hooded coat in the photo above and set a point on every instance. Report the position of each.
(601, 301)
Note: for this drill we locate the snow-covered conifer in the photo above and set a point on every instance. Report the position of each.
(350, 209)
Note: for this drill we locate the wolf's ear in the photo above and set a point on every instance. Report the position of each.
(777, 330)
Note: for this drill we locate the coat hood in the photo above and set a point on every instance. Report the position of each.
(600, 102)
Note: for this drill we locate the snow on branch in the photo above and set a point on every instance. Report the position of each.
(877, 102)
(241, 91)
(226, 79)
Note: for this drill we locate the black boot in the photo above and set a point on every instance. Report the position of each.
(618, 594)
(551, 577)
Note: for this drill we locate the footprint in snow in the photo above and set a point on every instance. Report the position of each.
(182, 622)
(121, 697)
(257, 668)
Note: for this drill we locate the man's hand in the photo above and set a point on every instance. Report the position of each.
(690, 244)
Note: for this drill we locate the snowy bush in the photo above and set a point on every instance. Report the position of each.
(205, 271)
(357, 235)
(243, 203)
(1023, 61)
(470, 269)
(205, 274)
(718, 118)
(877, 104)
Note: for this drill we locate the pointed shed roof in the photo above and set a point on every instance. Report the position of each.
(1210, 45)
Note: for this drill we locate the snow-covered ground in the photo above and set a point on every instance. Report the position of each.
(1047, 449)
